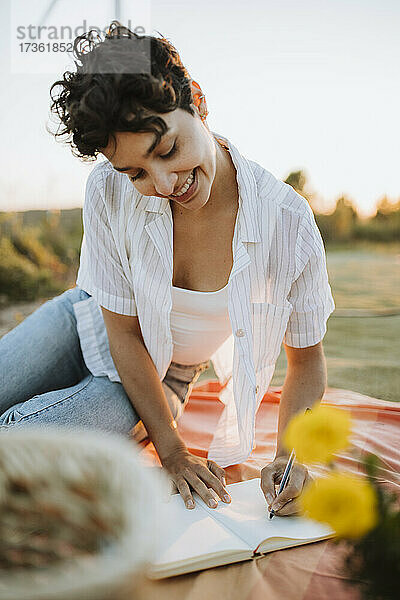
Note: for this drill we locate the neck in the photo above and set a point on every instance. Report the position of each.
(224, 190)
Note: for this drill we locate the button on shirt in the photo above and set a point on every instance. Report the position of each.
(278, 288)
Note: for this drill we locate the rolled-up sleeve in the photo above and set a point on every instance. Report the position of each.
(104, 269)
(310, 293)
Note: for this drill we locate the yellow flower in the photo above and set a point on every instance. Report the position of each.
(347, 503)
(317, 434)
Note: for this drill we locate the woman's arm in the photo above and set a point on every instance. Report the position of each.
(142, 385)
(304, 385)
(140, 380)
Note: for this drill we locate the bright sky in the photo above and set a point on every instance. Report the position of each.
(310, 85)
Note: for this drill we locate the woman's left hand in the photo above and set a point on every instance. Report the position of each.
(271, 475)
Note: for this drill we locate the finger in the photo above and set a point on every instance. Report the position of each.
(308, 479)
(173, 487)
(267, 483)
(185, 492)
(290, 508)
(200, 487)
(217, 470)
(292, 490)
(213, 482)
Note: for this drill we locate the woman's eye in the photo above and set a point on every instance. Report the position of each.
(170, 153)
(134, 177)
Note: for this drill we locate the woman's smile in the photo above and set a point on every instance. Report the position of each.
(188, 189)
(184, 187)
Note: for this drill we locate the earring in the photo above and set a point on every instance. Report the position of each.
(197, 98)
(203, 115)
(197, 101)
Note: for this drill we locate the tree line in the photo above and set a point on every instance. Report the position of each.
(345, 225)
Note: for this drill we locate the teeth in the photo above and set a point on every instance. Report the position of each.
(186, 186)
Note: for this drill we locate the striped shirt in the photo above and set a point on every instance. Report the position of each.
(278, 288)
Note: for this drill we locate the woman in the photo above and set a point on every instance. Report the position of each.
(191, 252)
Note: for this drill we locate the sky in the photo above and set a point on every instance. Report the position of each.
(311, 85)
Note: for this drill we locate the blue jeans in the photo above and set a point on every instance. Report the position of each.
(44, 378)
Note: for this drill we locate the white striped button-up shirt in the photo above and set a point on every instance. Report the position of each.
(278, 288)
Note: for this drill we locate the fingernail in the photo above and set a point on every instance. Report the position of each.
(190, 504)
(270, 499)
(212, 503)
(276, 506)
(227, 498)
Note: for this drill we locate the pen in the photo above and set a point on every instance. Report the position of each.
(287, 470)
(285, 478)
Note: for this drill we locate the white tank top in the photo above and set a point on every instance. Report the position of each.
(199, 324)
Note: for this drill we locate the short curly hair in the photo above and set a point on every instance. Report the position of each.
(112, 84)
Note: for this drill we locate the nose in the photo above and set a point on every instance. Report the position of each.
(165, 183)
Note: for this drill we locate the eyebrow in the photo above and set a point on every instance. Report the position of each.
(148, 151)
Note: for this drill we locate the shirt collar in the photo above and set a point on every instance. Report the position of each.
(248, 196)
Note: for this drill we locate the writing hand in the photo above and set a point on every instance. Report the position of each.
(188, 472)
(286, 503)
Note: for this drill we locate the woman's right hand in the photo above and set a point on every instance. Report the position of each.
(190, 472)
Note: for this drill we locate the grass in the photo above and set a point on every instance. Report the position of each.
(365, 276)
(361, 352)
(361, 356)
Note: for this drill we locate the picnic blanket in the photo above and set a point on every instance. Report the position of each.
(311, 572)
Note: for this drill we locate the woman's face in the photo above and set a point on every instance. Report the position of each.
(187, 146)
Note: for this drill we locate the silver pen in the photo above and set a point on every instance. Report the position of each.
(285, 478)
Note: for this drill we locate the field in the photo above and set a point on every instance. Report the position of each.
(362, 350)
(361, 345)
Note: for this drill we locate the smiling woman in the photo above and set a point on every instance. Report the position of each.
(191, 252)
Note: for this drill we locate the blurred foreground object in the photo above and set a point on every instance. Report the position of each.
(361, 510)
(77, 515)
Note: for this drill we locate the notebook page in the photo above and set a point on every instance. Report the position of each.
(247, 516)
(186, 534)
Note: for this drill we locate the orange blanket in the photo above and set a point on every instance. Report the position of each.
(311, 572)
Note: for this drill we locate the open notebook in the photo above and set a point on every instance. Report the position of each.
(208, 537)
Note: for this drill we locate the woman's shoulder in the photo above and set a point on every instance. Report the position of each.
(272, 189)
(106, 183)
(101, 172)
